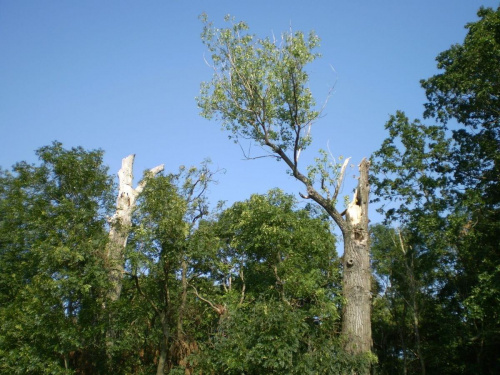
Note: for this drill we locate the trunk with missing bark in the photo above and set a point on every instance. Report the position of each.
(356, 324)
(121, 222)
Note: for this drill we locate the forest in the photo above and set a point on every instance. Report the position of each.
(100, 277)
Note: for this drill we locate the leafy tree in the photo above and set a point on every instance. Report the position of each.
(259, 92)
(161, 258)
(53, 280)
(446, 179)
(405, 273)
(468, 91)
(278, 271)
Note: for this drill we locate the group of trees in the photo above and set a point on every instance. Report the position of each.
(253, 288)
(438, 272)
(98, 278)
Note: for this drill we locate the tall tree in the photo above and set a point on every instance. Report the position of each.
(403, 271)
(468, 91)
(278, 270)
(161, 257)
(446, 176)
(53, 280)
(259, 92)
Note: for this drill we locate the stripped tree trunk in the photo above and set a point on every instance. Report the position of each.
(121, 222)
(356, 323)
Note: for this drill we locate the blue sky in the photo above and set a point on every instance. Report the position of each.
(123, 76)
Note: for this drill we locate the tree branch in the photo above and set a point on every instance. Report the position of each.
(219, 309)
(141, 292)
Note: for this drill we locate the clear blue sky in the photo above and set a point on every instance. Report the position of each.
(122, 76)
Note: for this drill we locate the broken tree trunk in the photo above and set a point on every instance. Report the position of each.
(121, 222)
(356, 282)
(356, 323)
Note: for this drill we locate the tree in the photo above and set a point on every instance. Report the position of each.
(161, 257)
(53, 280)
(468, 91)
(403, 271)
(259, 92)
(446, 177)
(278, 271)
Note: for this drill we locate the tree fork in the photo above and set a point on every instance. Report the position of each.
(281, 121)
(121, 222)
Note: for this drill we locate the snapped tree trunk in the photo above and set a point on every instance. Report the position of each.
(356, 323)
(121, 222)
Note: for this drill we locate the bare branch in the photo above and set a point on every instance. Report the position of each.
(340, 178)
(248, 157)
(243, 288)
(151, 173)
(330, 93)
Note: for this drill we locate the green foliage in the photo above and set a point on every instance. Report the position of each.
(444, 183)
(403, 269)
(468, 91)
(411, 168)
(279, 274)
(161, 260)
(259, 89)
(468, 88)
(271, 240)
(269, 337)
(52, 232)
(259, 92)
(261, 278)
(329, 174)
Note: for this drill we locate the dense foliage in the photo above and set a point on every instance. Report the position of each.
(255, 288)
(52, 231)
(441, 182)
(280, 290)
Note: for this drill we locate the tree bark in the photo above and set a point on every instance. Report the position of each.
(121, 222)
(164, 344)
(356, 282)
(182, 307)
(356, 323)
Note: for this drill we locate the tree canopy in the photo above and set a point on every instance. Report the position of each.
(443, 181)
(259, 92)
(257, 287)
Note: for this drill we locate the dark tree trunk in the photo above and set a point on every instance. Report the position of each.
(164, 344)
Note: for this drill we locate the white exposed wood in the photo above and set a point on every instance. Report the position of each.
(121, 222)
(353, 212)
(340, 178)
